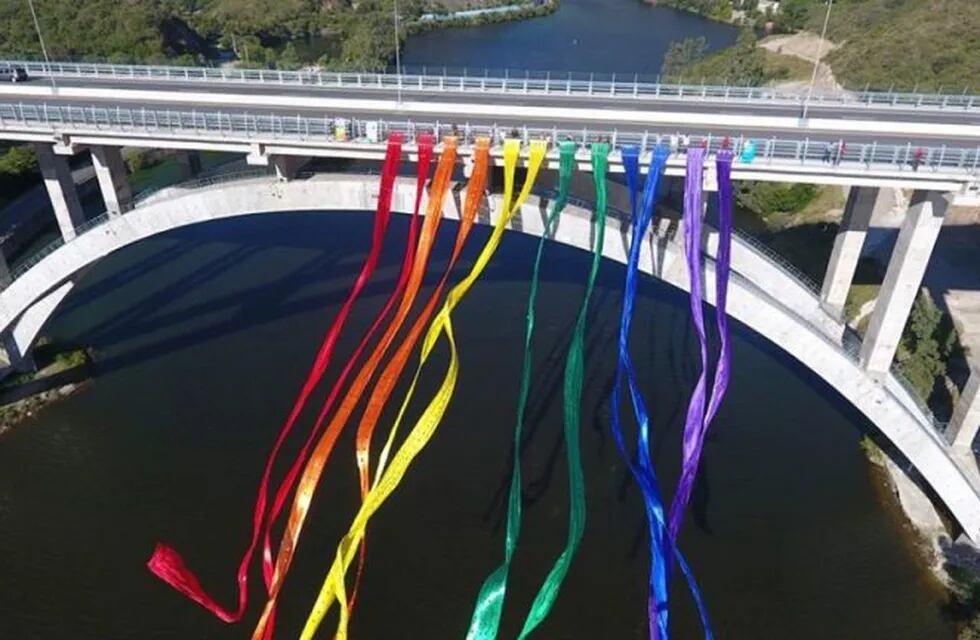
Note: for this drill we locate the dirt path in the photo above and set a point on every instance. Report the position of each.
(806, 46)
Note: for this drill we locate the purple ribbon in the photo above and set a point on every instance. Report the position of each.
(701, 411)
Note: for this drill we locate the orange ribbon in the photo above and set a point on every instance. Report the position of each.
(389, 377)
(321, 454)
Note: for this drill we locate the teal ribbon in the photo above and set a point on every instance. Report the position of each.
(490, 602)
(574, 370)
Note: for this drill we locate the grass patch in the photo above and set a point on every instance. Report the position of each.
(857, 297)
(929, 44)
(780, 67)
(169, 171)
(54, 362)
(825, 204)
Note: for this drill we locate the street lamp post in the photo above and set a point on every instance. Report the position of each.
(398, 58)
(44, 49)
(816, 62)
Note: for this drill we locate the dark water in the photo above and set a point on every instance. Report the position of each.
(602, 36)
(204, 335)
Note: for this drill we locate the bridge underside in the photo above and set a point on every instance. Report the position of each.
(761, 295)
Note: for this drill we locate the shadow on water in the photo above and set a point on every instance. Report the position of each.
(205, 355)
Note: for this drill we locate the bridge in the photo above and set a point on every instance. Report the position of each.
(279, 120)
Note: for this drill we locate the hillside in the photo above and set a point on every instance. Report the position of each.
(284, 33)
(931, 44)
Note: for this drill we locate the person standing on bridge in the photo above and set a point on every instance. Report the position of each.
(920, 154)
(841, 150)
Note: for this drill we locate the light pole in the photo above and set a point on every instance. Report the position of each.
(816, 63)
(44, 49)
(398, 57)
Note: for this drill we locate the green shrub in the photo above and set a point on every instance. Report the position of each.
(768, 198)
(139, 159)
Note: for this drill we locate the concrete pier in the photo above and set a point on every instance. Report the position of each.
(110, 171)
(963, 427)
(288, 166)
(190, 164)
(61, 190)
(861, 204)
(13, 357)
(916, 240)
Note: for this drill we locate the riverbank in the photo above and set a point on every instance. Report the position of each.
(478, 17)
(23, 395)
(955, 564)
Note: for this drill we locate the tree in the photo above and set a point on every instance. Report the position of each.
(794, 14)
(18, 161)
(746, 63)
(681, 55)
(920, 357)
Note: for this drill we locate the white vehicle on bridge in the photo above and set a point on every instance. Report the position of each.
(11, 73)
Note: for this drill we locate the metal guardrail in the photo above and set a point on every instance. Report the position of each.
(197, 183)
(547, 83)
(815, 152)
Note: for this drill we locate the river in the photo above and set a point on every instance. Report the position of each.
(204, 334)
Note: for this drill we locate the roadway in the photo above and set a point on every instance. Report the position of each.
(957, 130)
(730, 107)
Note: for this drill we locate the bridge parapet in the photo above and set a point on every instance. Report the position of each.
(780, 159)
(508, 82)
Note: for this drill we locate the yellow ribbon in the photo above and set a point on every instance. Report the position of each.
(333, 589)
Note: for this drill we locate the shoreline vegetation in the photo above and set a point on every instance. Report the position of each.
(477, 17)
(341, 35)
(59, 373)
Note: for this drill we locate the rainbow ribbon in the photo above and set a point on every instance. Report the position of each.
(490, 601)
(574, 369)
(333, 589)
(643, 472)
(698, 416)
(166, 562)
(475, 190)
(321, 453)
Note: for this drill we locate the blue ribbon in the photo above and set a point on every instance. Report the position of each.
(642, 470)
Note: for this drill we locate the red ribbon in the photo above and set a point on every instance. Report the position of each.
(166, 563)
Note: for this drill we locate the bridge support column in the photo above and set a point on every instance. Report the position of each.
(5, 278)
(861, 204)
(190, 164)
(288, 166)
(16, 360)
(963, 427)
(61, 190)
(111, 174)
(907, 266)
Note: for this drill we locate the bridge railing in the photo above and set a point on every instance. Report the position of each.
(809, 151)
(506, 81)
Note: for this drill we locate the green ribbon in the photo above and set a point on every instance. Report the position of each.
(486, 617)
(490, 602)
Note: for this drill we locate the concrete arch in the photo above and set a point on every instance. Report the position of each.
(762, 296)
